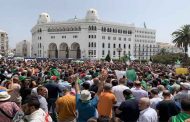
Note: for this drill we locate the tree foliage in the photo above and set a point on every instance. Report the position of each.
(108, 58)
(168, 58)
(181, 38)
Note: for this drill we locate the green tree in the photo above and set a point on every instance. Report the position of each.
(108, 58)
(182, 38)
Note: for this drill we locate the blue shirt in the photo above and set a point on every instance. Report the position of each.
(86, 109)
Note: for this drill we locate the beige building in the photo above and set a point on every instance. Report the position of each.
(3, 43)
(23, 49)
(171, 48)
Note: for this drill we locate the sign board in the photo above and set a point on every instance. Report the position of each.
(120, 74)
(181, 71)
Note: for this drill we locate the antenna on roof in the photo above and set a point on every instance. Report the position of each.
(75, 18)
(144, 25)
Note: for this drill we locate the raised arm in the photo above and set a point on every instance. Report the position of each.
(77, 88)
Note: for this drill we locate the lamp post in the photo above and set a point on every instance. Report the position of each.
(43, 51)
(119, 49)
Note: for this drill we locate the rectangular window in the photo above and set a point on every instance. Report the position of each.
(64, 37)
(119, 38)
(94, 52)
(102, 52)
(75, 36)
(124, 39)
(103, 37)
(114, 38)
(109, 37)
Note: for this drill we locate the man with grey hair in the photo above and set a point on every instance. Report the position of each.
(184, 93)
(147, 114)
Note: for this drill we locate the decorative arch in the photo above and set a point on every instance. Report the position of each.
(63, 50)
(52, 50)
(75, 51)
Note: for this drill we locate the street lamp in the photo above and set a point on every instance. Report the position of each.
(119, 49)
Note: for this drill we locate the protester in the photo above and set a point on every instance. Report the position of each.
(33, 112)
(128, 110)
(66, 107)
(147, 114)
(100, 90)
(167, 107)
(8, 109)
(185, 114)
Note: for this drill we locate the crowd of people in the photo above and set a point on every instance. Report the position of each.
(98, 91)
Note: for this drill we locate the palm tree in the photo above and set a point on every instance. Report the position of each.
(182, 38)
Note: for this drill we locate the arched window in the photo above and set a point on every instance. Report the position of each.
(107, 29)
(102, 28)
(109, 52)
(124, 52)
(113, 52)
(124, 46)
(89, 28)
(113, 45)
(103, 45)
(103, 52)
(108, 45)
(79, 28)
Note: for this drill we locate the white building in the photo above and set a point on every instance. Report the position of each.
(168, 47)
(23, 49)
(90, 38)
(3, 43)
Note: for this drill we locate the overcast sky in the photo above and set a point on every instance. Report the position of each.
(17, 17)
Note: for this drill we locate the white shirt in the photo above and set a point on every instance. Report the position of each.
(43, 103)
(138, 93)
(38, 116)
(118, 91)
(148, 115)
(154, 102)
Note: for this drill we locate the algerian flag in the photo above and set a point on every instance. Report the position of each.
(177, 62)
(55, 72)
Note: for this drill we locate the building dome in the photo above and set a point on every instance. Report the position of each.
(92, 14)
(2, 31)
(43, 18)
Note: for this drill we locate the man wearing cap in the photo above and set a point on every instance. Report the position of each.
(7, 109)
(86, 106)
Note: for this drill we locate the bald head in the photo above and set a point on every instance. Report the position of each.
(144, 103)
(96, 81)
(122, 81)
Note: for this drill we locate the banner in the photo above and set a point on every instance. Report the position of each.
(181, 71)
